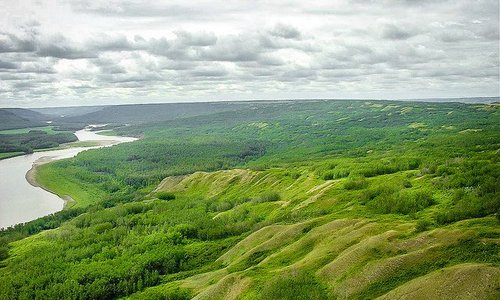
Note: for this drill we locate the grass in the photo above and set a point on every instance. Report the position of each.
(56, 181)
(10, 154)
(481, 283)
(318, 200)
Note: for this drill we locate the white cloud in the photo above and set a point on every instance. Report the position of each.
(66, 52)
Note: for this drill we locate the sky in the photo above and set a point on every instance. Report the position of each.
(86, 52)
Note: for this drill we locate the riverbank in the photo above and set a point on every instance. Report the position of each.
(27, 194)
(31, 179)
(31, 175)
(5, 155)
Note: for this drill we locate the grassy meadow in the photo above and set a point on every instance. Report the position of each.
(276, 200)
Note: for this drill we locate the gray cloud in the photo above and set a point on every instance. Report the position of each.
(285, 31)
(112, 43)
(212, 71)
(271, 60)
(232, 49)
(59, 46)
(8, 65)
(109, 66)
(401, 32)
(12, 43)
(196, 39)
(130, 50)
(37, 68)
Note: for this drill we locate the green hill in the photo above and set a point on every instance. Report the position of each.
(146, 113)
(292, 200)
(13, 118)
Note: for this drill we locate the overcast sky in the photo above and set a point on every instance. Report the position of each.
(60, 53)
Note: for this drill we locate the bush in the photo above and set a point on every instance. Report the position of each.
(422, 225)
(403, 202)
(165, 196)
(4, 252)
(468, 205)
(328, 176)
(336, 174)
(268, 197)
(355, 183)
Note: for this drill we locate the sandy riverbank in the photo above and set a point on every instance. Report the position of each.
(32, 173)
(31, 178)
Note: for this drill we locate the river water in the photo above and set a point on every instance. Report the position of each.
(19, 200)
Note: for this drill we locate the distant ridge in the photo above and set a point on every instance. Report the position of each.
(13, 118)
(471, 100)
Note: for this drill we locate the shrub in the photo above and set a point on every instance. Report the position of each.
(103, 227)
(355, 183)
(267, 197)
(328, 176)
(186, 230)
(403, 202)
(469, 205)
(222, 206)
(4, 252)
(165, 196)
(422, 225)
(407, 184)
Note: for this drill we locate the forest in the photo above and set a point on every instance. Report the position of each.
(271, 200)
(27, 142)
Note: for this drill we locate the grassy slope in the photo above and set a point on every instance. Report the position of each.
(361, 213)
(326, 245)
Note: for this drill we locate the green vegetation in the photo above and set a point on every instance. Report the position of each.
(47, 129)
(291, 200)
(33, 139)
(165, 196)
(13, 118)
(10, 154)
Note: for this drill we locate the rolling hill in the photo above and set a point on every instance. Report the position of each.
(291, 200)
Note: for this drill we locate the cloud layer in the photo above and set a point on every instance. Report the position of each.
(101, 52)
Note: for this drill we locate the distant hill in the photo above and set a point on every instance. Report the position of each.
(67, 111)
(145, 113)
(72, 118)
(484, 100)
(12, 118)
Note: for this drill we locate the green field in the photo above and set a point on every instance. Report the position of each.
(278, 200)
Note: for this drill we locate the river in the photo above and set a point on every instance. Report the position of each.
(19, 200)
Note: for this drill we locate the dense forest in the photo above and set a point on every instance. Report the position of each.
(273, 200)
(33, 139)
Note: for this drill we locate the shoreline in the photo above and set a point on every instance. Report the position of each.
(32, 173)
(15, 155)
(31, 179)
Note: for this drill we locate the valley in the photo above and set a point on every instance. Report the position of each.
(272, 200)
